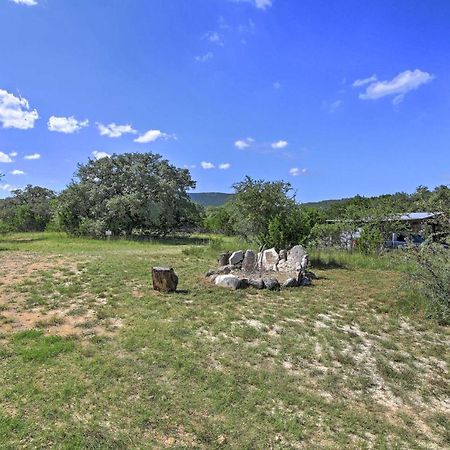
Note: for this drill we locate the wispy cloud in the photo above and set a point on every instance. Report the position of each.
(152, 136)
(277, 85)
(207, 165)
(332, 107)
(205, 57)
(13, 154)
(214, 37)
(364, 81)
(260, 4)
(66, 125)
(114, 131)
(279, 144)
(17, 172)
(399, 86)
(32, 156)
(15, 112)
(296, 171)
(4, 158)
(25, 2)
(224, 166)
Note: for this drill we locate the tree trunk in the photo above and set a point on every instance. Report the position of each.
(164, 279)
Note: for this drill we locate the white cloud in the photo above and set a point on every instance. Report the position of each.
(242, 144)
(4, 158)
(25, 2)
(13, 154)
(214, 37)
(189, 166)
(99, 155)
(15, 112)
(7, 187)
(151, 136)
(204, 58)
(279, 144)
(224, 166)
(32, 156)
(260, 4)
(399, 86)
(364, 81)
(17, 172)
(296, 171)
(114, 131)
(207, 165)
(67, 125)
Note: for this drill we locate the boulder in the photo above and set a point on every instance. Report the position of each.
(228, 281)
(249, 262)
(283, 255)
(224, 259)
(297, 259)
(290, 283)
(271, 283)
(236, 257)
(269, 260)
(256, 283)
(164, 279)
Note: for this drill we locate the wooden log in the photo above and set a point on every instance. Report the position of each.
(164, 279)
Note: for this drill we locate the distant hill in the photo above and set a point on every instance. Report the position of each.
(210, 198)
(325, 204)
(219, 198)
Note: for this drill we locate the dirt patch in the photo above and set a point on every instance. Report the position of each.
(70, 315)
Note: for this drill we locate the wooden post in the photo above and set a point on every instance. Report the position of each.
(164, 279)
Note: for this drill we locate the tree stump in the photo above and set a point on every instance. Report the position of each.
(164, 279)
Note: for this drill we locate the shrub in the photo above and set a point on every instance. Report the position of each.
(432, 276)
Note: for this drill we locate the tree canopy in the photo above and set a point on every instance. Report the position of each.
(131, 192)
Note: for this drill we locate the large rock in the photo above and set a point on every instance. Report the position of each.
(228, 281)
(290, 283)
(269, 260)
(297, 259)
(256, 283)
(236, 257)
(249, 262)
(272, 284)
(224, 259)
(164, 279)
(283, 255)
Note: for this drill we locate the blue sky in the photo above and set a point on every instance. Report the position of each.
(337, 97)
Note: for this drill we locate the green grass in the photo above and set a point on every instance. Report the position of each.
(346, 363)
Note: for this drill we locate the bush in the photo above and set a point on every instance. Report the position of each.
(4, 227)
(370, 241)
(432, 276)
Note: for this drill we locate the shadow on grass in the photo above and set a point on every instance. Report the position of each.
(325, 264)
(165, 240)
(20, 241)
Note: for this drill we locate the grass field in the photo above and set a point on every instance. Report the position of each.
(91, 357)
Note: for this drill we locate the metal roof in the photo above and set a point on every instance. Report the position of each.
(417, 216)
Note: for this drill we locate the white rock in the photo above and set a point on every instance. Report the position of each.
(269, 260)
(228, 281)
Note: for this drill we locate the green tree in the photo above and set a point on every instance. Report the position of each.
(27, 209)
(131, 192)
(256, 203)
